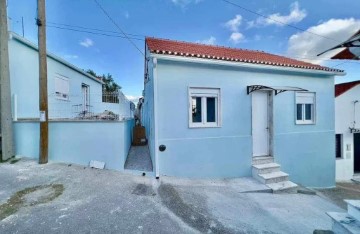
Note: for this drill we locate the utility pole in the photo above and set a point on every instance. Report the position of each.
(6, 132)
(43, 94)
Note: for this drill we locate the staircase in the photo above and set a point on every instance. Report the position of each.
(265, 170)
(347, 222)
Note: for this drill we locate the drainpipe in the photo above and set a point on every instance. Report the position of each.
(156, 128)
(356, 101)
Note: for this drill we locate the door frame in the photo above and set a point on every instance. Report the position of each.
(85, 97)
(270, 118)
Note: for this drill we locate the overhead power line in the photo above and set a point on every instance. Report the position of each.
(118, 27)
(95, 33)
(93, 29)
(278, 21)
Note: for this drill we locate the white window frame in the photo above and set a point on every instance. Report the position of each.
(60, 95)
(205, 93)
(308, 95)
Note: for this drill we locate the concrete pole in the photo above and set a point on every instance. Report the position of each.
(6, 131)
(43, 94)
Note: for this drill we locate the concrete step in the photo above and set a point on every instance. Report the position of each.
(344, 223)
(265, 168)
(353, 208)
(262, 160)
(283, 187)
(273, 177)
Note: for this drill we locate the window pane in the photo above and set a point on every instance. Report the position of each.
(308, 111)
(338, 145)
(299, 111)
(196, 109)
(211, 115)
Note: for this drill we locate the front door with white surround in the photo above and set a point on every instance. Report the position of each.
(260, 123)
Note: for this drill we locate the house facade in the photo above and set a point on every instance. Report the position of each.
(347, 129)
(81, 127)
(215, 112)
(72, 92)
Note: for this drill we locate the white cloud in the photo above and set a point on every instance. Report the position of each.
(307, 45)
(210, 41)
(87, 42)
(296, 15)
(237, 37)
(234, 24)
(184, 3)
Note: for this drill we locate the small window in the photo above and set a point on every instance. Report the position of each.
(305, 108)
(204, 107)
(62, 88)
(338, 145)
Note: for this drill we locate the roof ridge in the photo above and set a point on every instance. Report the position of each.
(203, 44)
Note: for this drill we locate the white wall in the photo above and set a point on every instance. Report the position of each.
(344, 119)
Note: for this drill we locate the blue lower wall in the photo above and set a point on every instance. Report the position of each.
(311, 161)
(217, 157)
(78, 142)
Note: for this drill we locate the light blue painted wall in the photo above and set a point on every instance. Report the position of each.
(147, 115)
(78, 142)
(227, 151)
(24, 75)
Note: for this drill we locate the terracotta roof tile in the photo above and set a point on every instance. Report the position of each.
(342, 88)
(187, 49)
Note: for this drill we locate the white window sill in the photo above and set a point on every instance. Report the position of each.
(204, 126)
(305, 123)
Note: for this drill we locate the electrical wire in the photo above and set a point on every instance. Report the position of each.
(113, 21)
(94, 29)
(278, 21)
(95, 33)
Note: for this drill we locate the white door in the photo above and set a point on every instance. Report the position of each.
(86, 97)
(260, 123)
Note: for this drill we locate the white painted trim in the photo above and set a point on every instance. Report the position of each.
(313, 114)
(64, 78)
(246, 65)
(15, 110)
(204, 92)
(156, 128)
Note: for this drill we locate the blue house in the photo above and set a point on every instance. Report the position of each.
(84, 124)
(217, 112)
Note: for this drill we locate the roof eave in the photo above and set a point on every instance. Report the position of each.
(245, 65)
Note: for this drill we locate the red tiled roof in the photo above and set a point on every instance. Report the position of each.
(342, 88)
(345, 54)
(187, 49)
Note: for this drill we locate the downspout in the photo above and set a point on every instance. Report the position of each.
(157, 174)
(356, 101)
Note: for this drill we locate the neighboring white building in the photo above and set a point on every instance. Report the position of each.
(347, 129)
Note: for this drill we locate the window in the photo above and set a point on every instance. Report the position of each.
(305, 108)
(204, 107)
(62, 88)
(338, 144)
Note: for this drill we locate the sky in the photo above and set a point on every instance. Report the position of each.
(81, 33)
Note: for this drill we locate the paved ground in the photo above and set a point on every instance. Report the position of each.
(350, 190)
(73, 199)
(139, 159)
